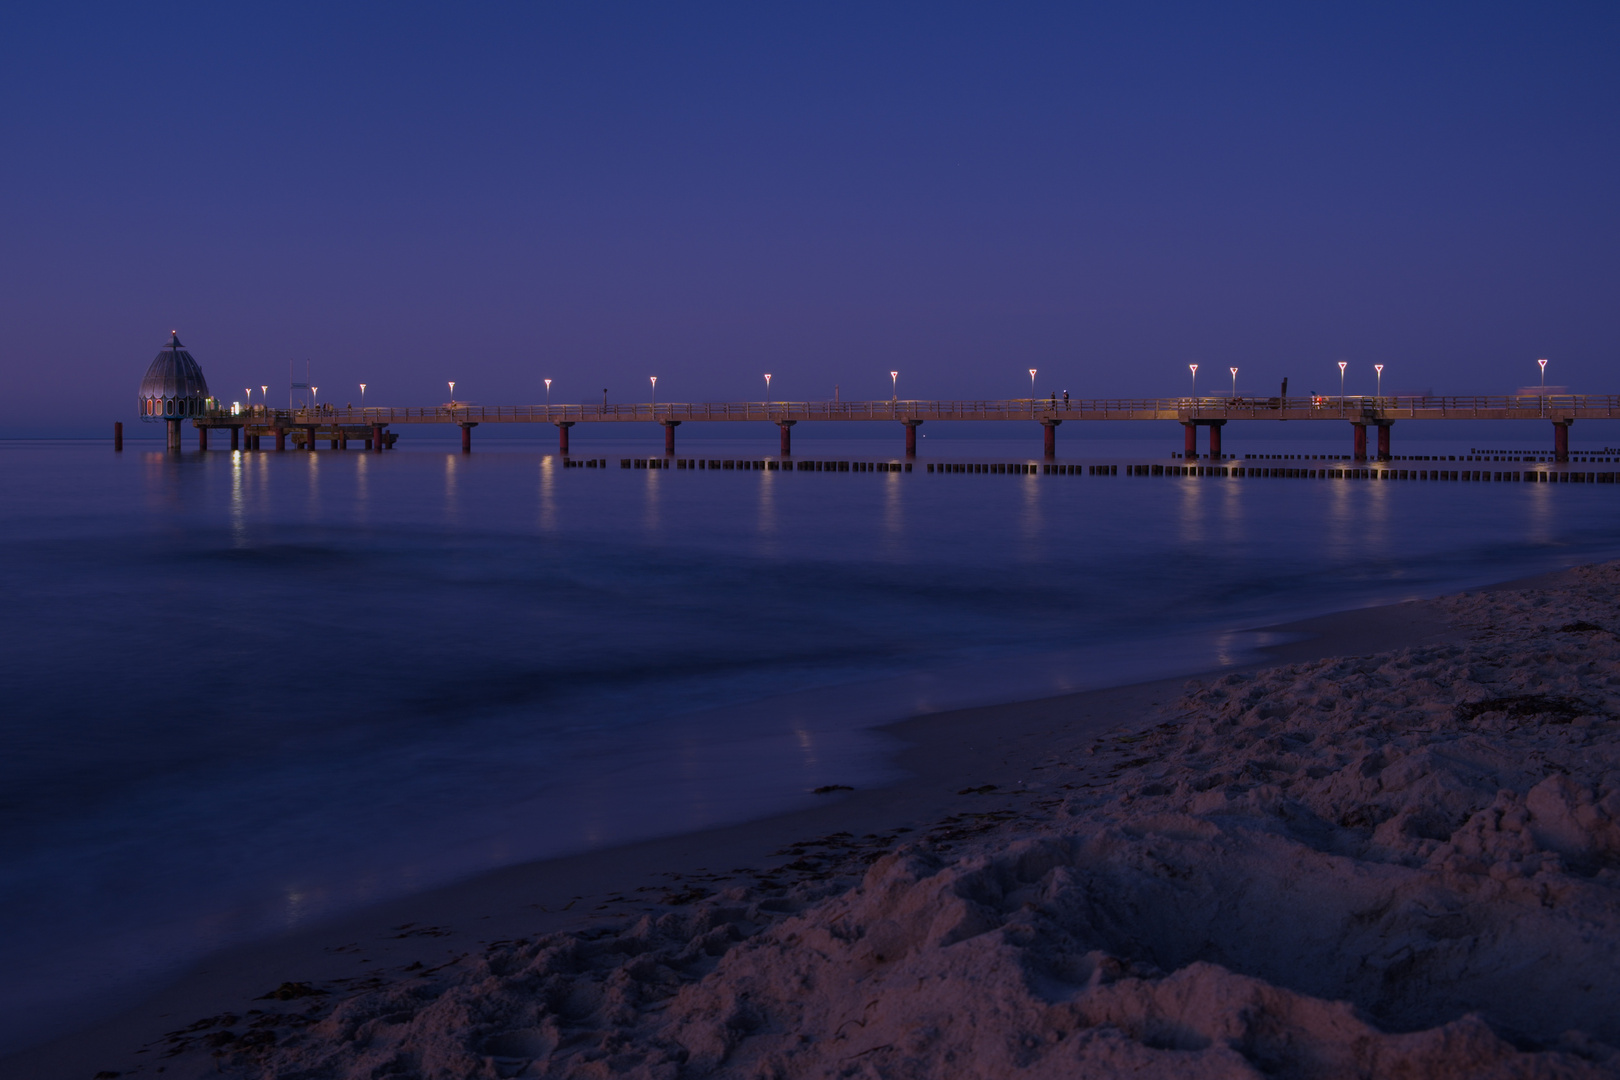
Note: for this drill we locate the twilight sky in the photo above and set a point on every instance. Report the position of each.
(497, 193)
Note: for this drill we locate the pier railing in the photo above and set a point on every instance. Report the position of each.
(1353, 408)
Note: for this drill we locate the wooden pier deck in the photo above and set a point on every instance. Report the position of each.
(337, 426)
(1367, 410)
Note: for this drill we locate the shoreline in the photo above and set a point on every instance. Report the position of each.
(942, 756)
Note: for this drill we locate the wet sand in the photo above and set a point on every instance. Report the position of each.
(714, 952)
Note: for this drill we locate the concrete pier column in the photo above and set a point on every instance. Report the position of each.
(376, 437)
(174, 433)
(562, 436)
(1561, 440)
(118, 434)
(1049, 438)
(343, 439)
(236, 438)
(911, 436)
(1189, 444)
(1358, 442)
(669, 434)
(202, 438)
(281, 437)
(466, 438)
(335, 441)
(787, 436)
(309, 439)
(1215, 439)
(1383, 441)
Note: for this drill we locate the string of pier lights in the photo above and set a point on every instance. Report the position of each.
(1378, 374)
(894, 381)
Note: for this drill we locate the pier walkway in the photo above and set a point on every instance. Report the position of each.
(372, 425)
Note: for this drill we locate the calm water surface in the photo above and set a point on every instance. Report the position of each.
(244, 691)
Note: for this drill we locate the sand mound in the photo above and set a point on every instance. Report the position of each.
(1402, 865)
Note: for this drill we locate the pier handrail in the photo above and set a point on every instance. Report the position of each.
(1356, 408)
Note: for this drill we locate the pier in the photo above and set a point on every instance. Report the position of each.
(375, 427)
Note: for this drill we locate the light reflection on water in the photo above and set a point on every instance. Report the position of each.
(767, 512)
(1030, 521)
(549, 467)
(238, 511)
(248, 689)
(1191, 497)
(362, 490)
(650, 519)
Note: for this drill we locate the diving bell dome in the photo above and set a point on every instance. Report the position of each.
(174, 386)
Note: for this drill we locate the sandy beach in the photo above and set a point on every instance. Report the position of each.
(1391, 850)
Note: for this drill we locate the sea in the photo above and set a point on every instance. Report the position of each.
(243, 692)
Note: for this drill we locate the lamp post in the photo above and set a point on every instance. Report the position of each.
(1379, 368)
(548, 393)
(1032, 384)
(767, 388)
(250, 399)
(654, 379)
(1342, 365)
(1194, 369)
(362, 397)
(452, 391)
(1543, 365)
(1234, 383)
(264, 393)
(894, 380)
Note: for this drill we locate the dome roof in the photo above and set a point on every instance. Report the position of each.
(174, 384)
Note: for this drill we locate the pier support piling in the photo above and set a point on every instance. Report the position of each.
(562, 436)
(309, 439)
(1358, 442)
(787, 436)
(1189, 429)
(1383, 440)
(911, 436)
(118, 434)
(1049, 438)
(174, 434)
(377, 437)
(1561, 440)
(236, 438)
(466, 437)
(202, 438)
(669, 435)
(281, 437)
